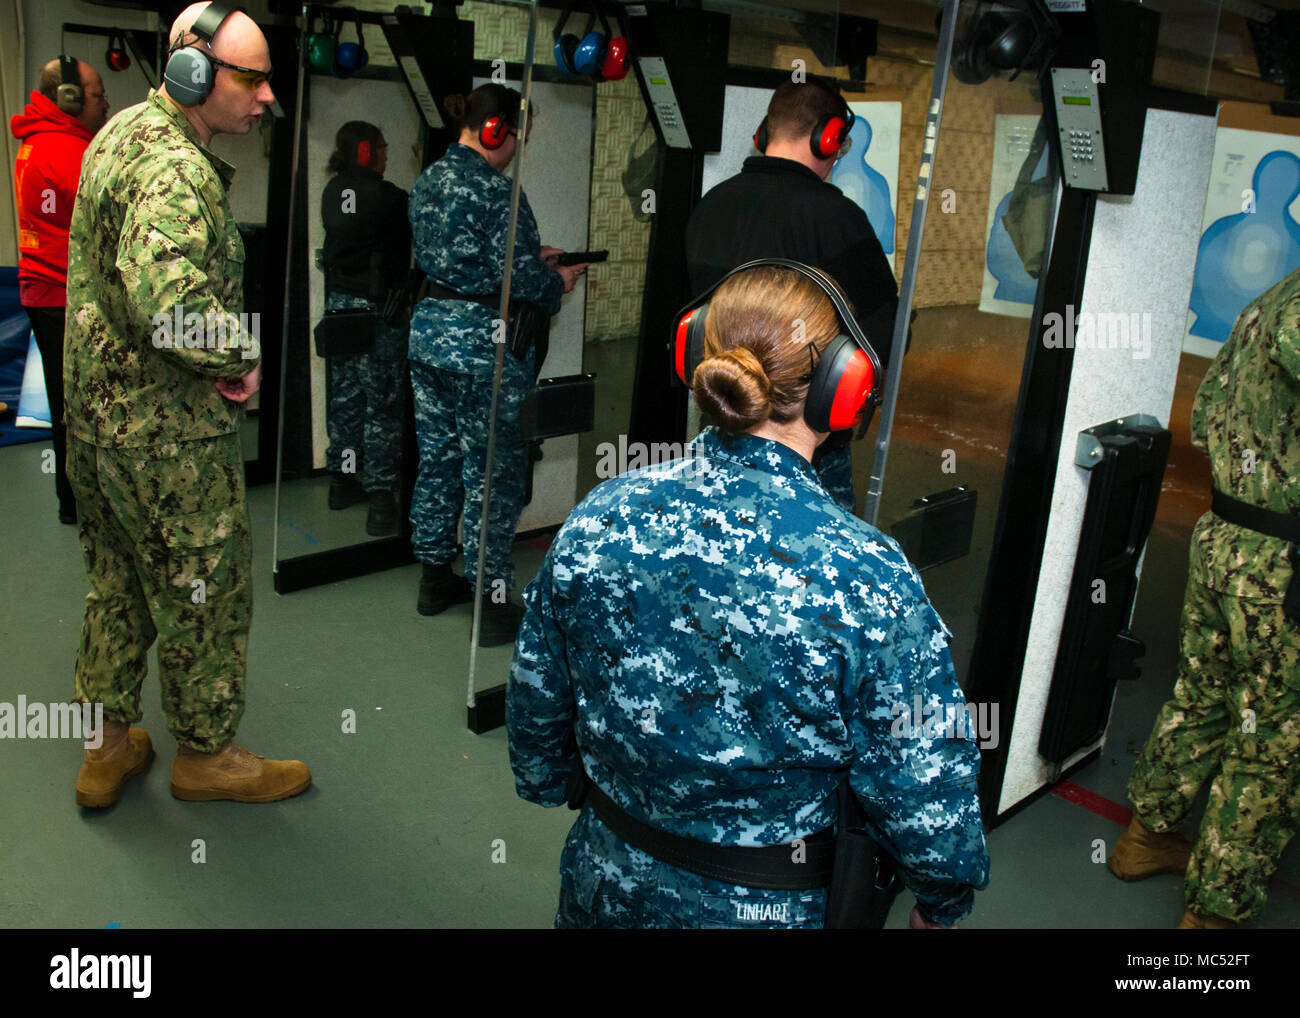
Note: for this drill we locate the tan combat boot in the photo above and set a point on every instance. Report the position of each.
(232, 772)
(1143, 853)
(124, 753)
(1199, 921)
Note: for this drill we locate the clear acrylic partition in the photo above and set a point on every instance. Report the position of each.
(992, 201)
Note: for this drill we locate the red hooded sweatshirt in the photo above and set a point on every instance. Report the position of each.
(45, 177)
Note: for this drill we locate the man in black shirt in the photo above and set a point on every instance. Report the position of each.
(780, 206)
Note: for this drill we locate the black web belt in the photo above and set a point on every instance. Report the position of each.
(439, 292)
(1252, 517)
(1283, 526)
(768, 868)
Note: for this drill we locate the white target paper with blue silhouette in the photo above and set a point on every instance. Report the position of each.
(868, 174)
(1008, 289)
(1243, 252)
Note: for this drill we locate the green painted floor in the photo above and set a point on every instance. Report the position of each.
(404, 817)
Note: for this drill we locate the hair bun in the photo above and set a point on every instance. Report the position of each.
(733, 388)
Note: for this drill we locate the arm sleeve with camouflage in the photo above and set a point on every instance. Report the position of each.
(1287, 338)
(531, 279)
(1213, 389)
(169, 238)
(918, 786)
(540, 708)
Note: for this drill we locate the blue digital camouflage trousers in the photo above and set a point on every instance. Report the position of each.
(607, 884)
(1234, 721)
(168, 552)
(366, 403)
(451, 425)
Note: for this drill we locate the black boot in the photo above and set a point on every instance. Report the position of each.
(345, 490)
(381, 520)
(499, 624)
(440, 588)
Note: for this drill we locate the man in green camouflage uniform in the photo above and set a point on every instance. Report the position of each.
(156, 366)
(1235, 716)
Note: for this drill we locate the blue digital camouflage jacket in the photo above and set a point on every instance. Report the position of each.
(460, 211)
(725, 642)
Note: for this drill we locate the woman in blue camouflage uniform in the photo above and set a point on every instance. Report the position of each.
(726, 643)
(367, 249)
(460, 213)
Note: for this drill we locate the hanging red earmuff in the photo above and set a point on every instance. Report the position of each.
(116, 56)
(846, 384)
(363, 154)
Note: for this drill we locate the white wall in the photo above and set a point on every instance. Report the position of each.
(557, 181)
(1141, 259)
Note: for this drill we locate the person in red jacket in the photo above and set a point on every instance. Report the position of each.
(54, 130)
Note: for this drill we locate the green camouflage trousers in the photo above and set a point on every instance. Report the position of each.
(169, 554)
(1235, 721)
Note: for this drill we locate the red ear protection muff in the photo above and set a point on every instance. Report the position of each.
(115, 56)
(842, 386)
(493, 133)
(363, 154)
(688, 344)
(760, 136)
(829, 135)
(616, 60)
(847, 383)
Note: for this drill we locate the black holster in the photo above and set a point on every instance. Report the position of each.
(1283, 526)
(864, 882)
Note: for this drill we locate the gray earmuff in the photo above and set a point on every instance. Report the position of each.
(190, 75)
(70, 98)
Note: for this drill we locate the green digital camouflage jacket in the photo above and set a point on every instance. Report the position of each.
(155, 282)
(1247, 418)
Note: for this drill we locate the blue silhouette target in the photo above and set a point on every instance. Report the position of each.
(1242, 255)
(864, 185)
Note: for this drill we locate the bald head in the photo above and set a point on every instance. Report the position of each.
(239, 94)
(94, 109)
(237, 24)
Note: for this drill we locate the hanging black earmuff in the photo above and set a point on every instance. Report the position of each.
(1021, 34)
(70, 98)
(846, 385)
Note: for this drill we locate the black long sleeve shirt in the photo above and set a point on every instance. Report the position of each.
(371, 220)
(778, 208)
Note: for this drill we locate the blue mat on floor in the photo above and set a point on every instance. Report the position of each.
(15, 335)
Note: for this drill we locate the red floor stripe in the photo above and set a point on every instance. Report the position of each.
(1098, 804)
(1122, 815)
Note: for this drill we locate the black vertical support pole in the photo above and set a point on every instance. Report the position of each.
(659, 407)
(1025, 509)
